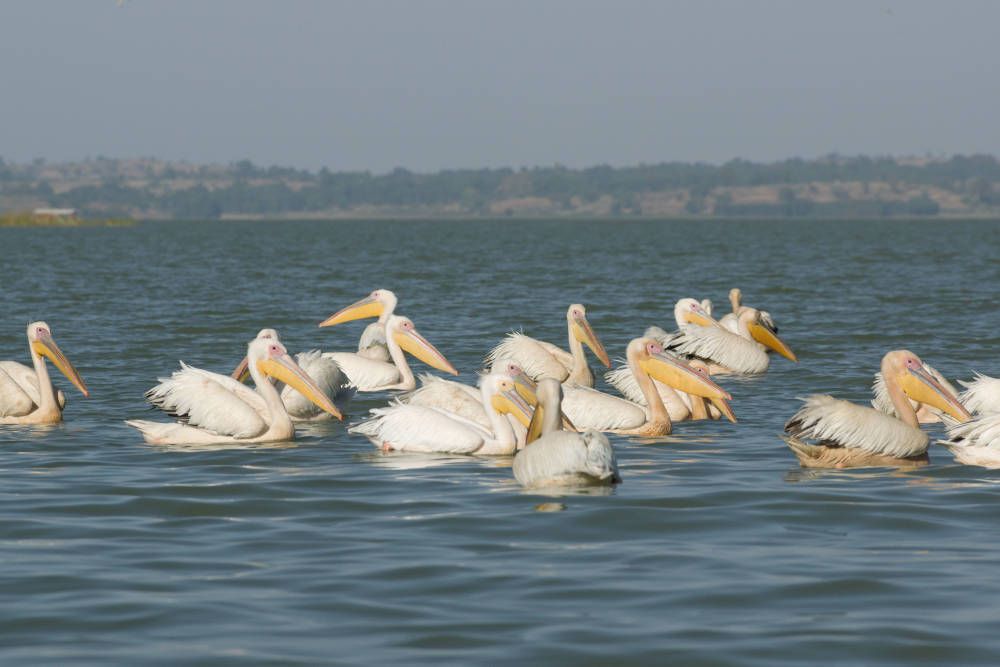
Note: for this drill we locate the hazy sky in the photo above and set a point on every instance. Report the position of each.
(427, 84)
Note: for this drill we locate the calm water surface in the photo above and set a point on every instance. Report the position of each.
(717, 549)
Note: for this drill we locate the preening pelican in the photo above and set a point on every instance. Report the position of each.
(926, 414)
(977, 441)
(848, 435)
(381, 304)
(541, 359)
(27, 395)
(415, 428)
(372, 375)
(730, 321)
(591, 409)
(216, 409)
(324, 372)
(559, 458)
(742, 353)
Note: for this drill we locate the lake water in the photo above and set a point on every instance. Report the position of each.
(717, 549)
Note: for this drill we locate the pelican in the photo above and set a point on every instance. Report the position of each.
(381, 304)
(324, 372)
(216, 409)
(541, 359)
(850, 435)
(590, 409)
(559, 458)
(467, 401)
(27, 396)
(926, 414)
(977, 441)
(680, 405)
(416, 428)
(372, 375)
(730, 321)
(743, 353)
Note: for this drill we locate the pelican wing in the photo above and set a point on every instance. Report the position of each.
(372, 343)
(720, 347)
(14, 400)
(980, 432)
(730, 322)
(677, 402)
(450, 396)
(211, 402)
(327, 376)
(836, 423)
(559, 354)
(591, 409)
(26, 378)
(982, 395)
(565, 459)
(528, 353)
(362, 373)
(415, 428)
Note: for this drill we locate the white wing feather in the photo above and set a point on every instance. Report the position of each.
(591, 409)
(982, 395)
(834, 422)
(722, 348)
(14, 400)
(212, 402)
(26, 378)
(362, 373)
(977, 441)
(450, 396)
(372, 343)
(677, 403)
(528, 353)
(567, 459)
(415, 428)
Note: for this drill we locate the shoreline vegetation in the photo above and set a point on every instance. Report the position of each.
(112, 191)
(29, 219)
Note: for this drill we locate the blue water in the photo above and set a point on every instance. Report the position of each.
(716, 550)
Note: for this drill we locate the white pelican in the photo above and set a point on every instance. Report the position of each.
(416, 428)
(743, 353)
(560, 458)
(217, 409)
(730, 321)
(926, 414)
(27, 395)
(680, 405)
(372, 375)
(541, 359)
(981, 395)
(590, 409)
(850, 435)
(324, 372)
(381, 304)
(465, 400)
(977, 441)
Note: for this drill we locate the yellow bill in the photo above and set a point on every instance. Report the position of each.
(508, 402)
(417, 345)
(921, 386)
(769, 339)
(47, 347)
(678, 374)
(367, 307)
(585, 334)
(285, 370)
(724, 407)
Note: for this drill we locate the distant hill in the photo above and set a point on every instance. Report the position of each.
(830, 187)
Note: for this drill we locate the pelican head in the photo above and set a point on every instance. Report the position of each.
(673, 371)
(376, 304)
(525, 385)
(763, 334)
(500, 391)
(242, 371)
(576, 316)
(405, 334)
(268, 358)
(906, 370)
(736, 299)
(41, 343)
(691, 311)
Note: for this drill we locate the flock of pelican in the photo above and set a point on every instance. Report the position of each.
(535, 401)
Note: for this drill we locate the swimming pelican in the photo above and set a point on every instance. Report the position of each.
(850, 435)
(541, 359)
(324, 372)
(741, 353)
(372, 375)
(730, 321)
(591, 409)
(926, 414)
(27, 396)
(381, 304)
(560, 458)
(217, 409)
(416, 428)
